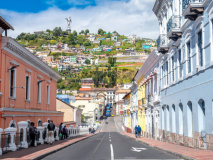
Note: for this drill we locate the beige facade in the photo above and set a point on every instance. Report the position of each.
(72, 115)
(88, 107)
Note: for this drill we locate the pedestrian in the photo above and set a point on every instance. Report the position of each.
(32, 131)
(139, 131)
(93, 130)
(60, 127)
(51, 128)
(64, 132)
(136, 131)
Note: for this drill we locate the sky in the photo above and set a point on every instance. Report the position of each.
(127, 17)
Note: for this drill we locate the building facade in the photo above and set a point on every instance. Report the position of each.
(27, 85)
(185, 41)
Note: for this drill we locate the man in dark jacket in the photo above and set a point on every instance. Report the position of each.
(51, 128)
(32, 131)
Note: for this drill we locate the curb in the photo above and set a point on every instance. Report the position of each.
(164, 150)
(58, 149)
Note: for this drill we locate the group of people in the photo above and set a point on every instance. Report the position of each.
(92, 130)
(137, 131)
(63, 132)
(33, 132)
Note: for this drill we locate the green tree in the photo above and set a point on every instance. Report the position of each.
(86, 31)
(101, 31)
(82, 118)
(82, 32)
(57, 31)
(71, 39)
(75, 33)
(87, 61)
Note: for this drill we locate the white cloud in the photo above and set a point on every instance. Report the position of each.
(133, 17)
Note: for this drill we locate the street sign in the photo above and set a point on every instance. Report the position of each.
(138, 149)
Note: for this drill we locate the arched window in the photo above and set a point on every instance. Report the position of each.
(163, 117)
(180, 119)
(201, 115)
(173, 119)
(167, 119)
(189, 119)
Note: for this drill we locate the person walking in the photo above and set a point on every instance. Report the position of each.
(60, 127)
(136, 131)
(139, 131)
(32, 131)
(93, 130)
(64, 132)
(51, 128)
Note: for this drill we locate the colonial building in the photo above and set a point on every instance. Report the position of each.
(185, 41)
(27, 85)
(72, 115)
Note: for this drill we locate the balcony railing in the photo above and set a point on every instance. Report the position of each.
(162, 44)
(144, 101)
(174, 23)
(186, 3)
(162, 40)
(150, 98)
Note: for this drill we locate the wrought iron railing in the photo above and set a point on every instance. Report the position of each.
(162, 40)
(150, 98)
(174, 22)
(185, 3)
(5, 141)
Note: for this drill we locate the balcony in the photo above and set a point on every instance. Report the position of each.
(193, 8)
(173, 28)
(150, 99)
(144, 102)
(162, 44)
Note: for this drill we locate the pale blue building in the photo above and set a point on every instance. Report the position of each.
(186, 71)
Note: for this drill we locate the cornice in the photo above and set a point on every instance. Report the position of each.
(14, 48)
(27, 110)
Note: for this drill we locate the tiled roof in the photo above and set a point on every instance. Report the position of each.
(85, 89)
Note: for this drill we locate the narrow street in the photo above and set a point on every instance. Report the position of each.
(109, 144)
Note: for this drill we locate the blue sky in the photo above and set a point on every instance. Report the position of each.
(127, 17)
(35, 6)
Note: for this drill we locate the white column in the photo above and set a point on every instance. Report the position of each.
(40, 130)
(1, 130)
(57, 132)
(23, 126)
(12, 132)
(75, 114)
(72, 131)
(45, 124)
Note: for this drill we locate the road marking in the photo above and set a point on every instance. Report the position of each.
(99, 144)
(112, 153)
(110, 140)
(138, 149)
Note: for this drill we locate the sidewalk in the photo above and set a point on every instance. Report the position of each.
(42, 150)
(186, 152)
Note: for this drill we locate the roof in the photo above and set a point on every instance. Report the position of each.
(122, 91)
(104, 89)
(87, 79)
(83, 98)
(4, 24)
(126, 95)
(85, 89)
(66, 103)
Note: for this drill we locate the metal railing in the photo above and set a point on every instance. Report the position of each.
(150, 98)
(5, 141)
(162, 40)
(18, 139)
(174, 22)
(185, 3)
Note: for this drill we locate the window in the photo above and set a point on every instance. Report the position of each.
(189, 56)
(48, 94)
(173, 72)
(167, 67)
(39, 92)
(180, 64)
(27, 89)
(12, 83)
(81, 106)
(200, 48)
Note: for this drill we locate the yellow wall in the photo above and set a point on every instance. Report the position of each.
(128, 107)
(141, 111)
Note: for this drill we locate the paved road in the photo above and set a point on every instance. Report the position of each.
(108, 145)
